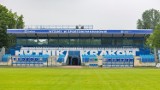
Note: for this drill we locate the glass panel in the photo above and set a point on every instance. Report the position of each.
(53, 41)
(21, 41)
(106, 41)
(32, 41)
(138, 42)
(96, 42)
(119, 42)
(127, 42)
(42, 41)
(63, 42)
(84, 41)
(74, 41)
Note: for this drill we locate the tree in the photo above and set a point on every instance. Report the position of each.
(139, 24)
(150, 19)
(10, 20)
(154, 39)
(20, 23)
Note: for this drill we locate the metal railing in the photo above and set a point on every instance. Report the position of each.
(59, 27)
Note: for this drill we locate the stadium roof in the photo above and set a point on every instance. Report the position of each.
(78, 33)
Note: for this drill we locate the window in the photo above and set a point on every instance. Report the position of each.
(42, 41)
(53, 41)
(21, 41)
(32, 41)
(63, 42)
(74, 41)
(96, 42)
(84, 41)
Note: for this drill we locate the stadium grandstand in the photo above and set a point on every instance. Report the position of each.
(79, 45)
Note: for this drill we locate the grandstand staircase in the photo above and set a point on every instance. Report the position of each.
(137, 61)
(52, 61)
(100, 58)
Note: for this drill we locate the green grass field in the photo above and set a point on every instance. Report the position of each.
(79, 79)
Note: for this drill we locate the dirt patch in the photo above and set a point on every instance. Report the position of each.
(72, 67)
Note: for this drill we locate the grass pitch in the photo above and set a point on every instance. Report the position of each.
(79, 79)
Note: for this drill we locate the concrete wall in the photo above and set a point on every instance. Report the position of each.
(2, 52)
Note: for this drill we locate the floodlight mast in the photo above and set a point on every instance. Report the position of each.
(59, 27)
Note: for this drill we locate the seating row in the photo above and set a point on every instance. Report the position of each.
(147, 58)
(27, 63)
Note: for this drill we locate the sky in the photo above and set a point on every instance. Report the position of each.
(103, 14)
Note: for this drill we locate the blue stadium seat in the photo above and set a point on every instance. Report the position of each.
(6, 57)
(31, 59)
(119, 60)
(147, 58)
(88, 58)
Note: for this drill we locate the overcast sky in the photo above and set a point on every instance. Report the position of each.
(103, 14)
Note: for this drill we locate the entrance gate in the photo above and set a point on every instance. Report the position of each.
(73, 58)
